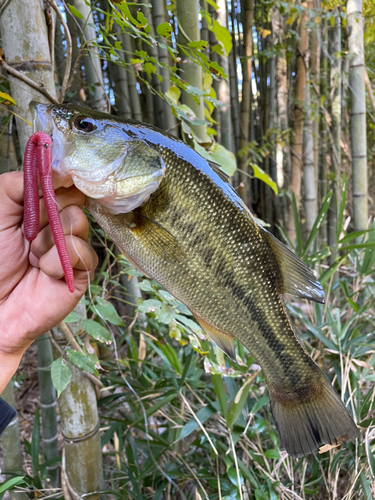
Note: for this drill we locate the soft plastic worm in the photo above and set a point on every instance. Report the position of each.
(38, 157)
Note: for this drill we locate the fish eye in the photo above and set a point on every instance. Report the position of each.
(84, 124)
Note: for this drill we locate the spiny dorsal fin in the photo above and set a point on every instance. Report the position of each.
(217, 169)
(154, 237)
(296, 278)
(221, 339)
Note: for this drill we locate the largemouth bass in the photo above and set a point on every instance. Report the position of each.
(176, 217)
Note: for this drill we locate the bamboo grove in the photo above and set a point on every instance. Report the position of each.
(135, 402)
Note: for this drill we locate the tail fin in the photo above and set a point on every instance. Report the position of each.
(304, 426)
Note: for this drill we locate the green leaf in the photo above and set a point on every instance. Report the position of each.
(202, 415)
(220, 393)
(75, 12)
(239, 402)
(173, 94)
(97, 331)
(222, 36)
(318, 221)
(272, 454)
(164, 29)
(82, 361)
(200, 44)
(259, 404)
(73, 317)
(150, 305)
(331, 270)
(260, 174)
(213, 4)
(60, 375)
(11, 483)
(107, 312)
(218, 154)
(5, 98)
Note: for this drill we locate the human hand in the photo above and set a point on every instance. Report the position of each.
(33, 296)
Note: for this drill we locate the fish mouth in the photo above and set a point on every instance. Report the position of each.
(43, 121)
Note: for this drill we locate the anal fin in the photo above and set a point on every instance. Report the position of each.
(221, 339)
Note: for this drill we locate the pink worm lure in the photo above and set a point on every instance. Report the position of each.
(38, 157)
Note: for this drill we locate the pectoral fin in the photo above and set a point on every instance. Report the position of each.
(154, 237)
(221, 339)
(296, 278)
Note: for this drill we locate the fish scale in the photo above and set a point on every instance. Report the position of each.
(195, 237)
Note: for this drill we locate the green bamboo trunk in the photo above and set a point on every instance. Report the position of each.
(248, 15)
(298, 119)
(323, 132)
(120, 77)
(187, 16)
(48, 408)
(11, 444)
(80, 425)
(224, 85)
(167, 121)
(335, 109)
(91, 61)
(358, 114)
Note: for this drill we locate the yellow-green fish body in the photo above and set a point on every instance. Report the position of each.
(195, 237)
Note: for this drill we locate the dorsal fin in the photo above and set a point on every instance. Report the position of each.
(296, 278)
(217, 169)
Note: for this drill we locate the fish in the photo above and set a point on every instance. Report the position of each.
(175, 216)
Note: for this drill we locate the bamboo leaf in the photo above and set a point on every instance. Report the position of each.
(318, 221)
(6, 99)
(331, 270)
(239, 402)
(60, 374)
(11, 483)
(220, 393)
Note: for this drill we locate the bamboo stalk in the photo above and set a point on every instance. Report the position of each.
(187, 17)
(247, 26)
(358, 114)
(91, 61)
(323, 132)
(80, 424)
(297, 138)
(335, 111)
(48, 407)
(10, 442)
(168, 121)
(224, 85)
